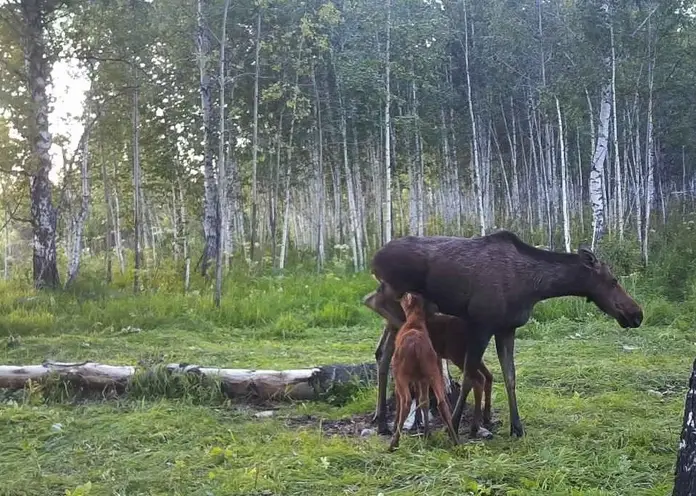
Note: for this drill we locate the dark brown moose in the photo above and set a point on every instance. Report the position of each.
(492, 282)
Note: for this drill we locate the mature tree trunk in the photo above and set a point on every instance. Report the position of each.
(255, 139)
(116, 215)
(43, 214)
(597, 198)
(685, 469)
(210, 200)
(319, 174)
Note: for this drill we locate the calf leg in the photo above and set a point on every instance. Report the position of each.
(443, 407)
(476, 429)
(423, 404)
(487, 390)
(403, 397)
(505, 346)
(380, 417)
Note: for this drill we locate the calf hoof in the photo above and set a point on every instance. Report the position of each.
(517, 430)
(482, 433)
(392, 447)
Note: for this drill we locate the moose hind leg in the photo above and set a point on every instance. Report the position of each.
(505, 347)
(474, 355)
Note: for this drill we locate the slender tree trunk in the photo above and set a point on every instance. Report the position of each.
(581, 191)
(617, 161)
(355, 235)
(564, 180)
(255, 139)
(478, 191)
(319, 174)
(6, 258)
(222, 209)
(79, 220)
(649, 165)
(43, 213)
(137, 196)
(109, 237)
(387, 135)
(116, 214)
(210, 200)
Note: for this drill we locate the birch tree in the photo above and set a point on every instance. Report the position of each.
(210, 201)
(596, 182)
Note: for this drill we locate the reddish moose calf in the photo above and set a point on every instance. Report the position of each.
(415, 364)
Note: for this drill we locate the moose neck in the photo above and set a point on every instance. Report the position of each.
(561, 274)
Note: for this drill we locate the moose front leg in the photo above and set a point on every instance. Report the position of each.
(385, 351)
(505, 347)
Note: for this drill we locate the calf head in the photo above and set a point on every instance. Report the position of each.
(413, 303)
(604, 290)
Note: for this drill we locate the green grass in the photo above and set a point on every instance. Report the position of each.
(601, 405)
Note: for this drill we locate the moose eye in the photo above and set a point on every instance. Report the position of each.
(614, 282)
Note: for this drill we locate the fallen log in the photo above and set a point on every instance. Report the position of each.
(685, 469)
(298, 384)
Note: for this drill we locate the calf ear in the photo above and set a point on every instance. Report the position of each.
(588, 258)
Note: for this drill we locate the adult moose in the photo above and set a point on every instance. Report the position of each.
(493, 283)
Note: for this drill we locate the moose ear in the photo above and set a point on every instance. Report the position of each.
(588, 258)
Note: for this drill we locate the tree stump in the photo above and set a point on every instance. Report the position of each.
(685, 470)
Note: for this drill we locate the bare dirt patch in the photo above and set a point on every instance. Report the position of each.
(361, 424)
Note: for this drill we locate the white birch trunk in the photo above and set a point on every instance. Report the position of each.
(43, 214)
(137, 194)
(387, 135)
(564, 180)
(649, 159)
(596, 185)
(255, 140)
(478, 190)
(79, 220)
(210, 201)
(619, 214)
(222, 173)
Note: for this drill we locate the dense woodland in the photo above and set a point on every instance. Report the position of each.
(264, 133)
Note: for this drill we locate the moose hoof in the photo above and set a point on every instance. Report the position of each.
(482, 433)
(517, 430)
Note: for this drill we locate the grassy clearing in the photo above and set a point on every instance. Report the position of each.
(602, 406)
